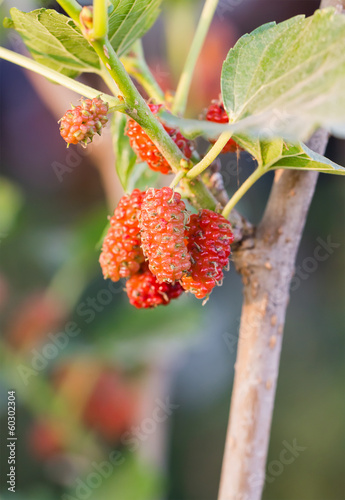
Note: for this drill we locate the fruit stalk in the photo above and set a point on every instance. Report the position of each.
(210, 156)
(248, 183)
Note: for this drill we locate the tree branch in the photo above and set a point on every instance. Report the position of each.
(267, 269)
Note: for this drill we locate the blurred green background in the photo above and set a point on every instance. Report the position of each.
(103, 385)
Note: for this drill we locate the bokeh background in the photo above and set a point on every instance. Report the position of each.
(149, 389)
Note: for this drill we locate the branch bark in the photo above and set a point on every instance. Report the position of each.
(267, 269)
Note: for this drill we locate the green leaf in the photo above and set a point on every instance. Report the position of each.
(300, 157)
(287, 79)
(125, 157)
(55, 41)
(270, 150)
(99, 243)
(130, 20)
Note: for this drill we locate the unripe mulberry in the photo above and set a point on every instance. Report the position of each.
(209, 239)
(82, 122)
(144, 291)
(216, 113)
(162, 222)
(122, 255)
(146, 150)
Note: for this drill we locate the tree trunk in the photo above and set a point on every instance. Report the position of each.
(267, 265)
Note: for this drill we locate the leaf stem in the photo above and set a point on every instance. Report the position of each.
(111, 84)
(72, 8)
(184, 84)
(100, 19)
(258, 172)
(177, 178)
(56, 77)
(210, 156)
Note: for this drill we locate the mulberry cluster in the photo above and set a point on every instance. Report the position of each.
(81, 123)
(146, 150)
(216, 113)
(184, 253)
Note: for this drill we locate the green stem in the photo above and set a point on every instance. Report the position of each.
(210, 156)
(258, 172)
(100, 19)
(111, 84)
(136, 106)
(55, 76)
(184, 84)
(177, 178)
(72, 8)
(137, 67)
(141, 72)
(198, 194)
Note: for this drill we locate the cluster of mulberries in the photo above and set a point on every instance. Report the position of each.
(152, 240)
(162, 250)
(146, 150)
(81, 123)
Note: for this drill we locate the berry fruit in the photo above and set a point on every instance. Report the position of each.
(162, 223)
(144, 291)
(146, 150)
(217, 114)
(122, 255)
(112, 405)
(82, 122)
(46, 439)
(209, 239)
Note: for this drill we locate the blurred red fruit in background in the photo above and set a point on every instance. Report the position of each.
(33, 319)
(104, 398)
(46, 439)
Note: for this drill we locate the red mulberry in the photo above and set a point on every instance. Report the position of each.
(144, 291)
(209, 239)
(122, 255)
(82, 122)
(162, 222)
(146, 150)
